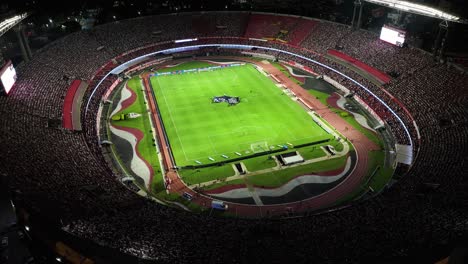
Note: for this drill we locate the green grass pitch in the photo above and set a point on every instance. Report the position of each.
(198, 129)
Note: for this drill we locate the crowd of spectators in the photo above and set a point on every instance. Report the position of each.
(62, 175)
(292, 29)
(120, 36)
(269, 25)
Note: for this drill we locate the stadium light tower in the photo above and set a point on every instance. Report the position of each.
(11, 22)
(419, 9)
(405, 6)
(8, 23)
(357, 4)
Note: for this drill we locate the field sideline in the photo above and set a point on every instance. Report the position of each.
(199, 129)
(185, 104)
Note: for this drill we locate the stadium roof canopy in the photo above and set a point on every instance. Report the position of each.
(8, 23)
(419, 9)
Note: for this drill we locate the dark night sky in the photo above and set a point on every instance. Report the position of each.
(459, 5)
(52, 7)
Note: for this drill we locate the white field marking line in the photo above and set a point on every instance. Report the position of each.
(275, 169)
(234, 79)
(241, 143)
(209, 139)
(170, 115)
(289, 131)
(259, 144)
(213, 148)
(177, 88)
(278, 168)
(186, 107)
(269, 79)
(322, 133)
(303, 138)
(170, 110)
(250, 143)
(190, 106)
(221, 78)
(230, 133)
(276, 134)
(244, 143)
(218, 77)
(238, 129)
(290, 106)
(153, 129)
(324, 122)
(287, 103)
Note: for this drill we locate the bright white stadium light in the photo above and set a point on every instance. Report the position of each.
(392, 36)
(10, 22)
(8, 76)
(402, 7)
(416, 8)
(185, 40)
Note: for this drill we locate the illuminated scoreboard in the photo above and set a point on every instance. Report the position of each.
(393, 36)
(7, 77)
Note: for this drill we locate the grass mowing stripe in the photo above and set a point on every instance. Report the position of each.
(201, 129)
(170, 115)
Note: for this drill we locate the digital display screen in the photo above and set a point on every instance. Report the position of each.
(393, 36)
(8, 76)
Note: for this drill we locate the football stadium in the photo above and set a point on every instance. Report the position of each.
(193, 136)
